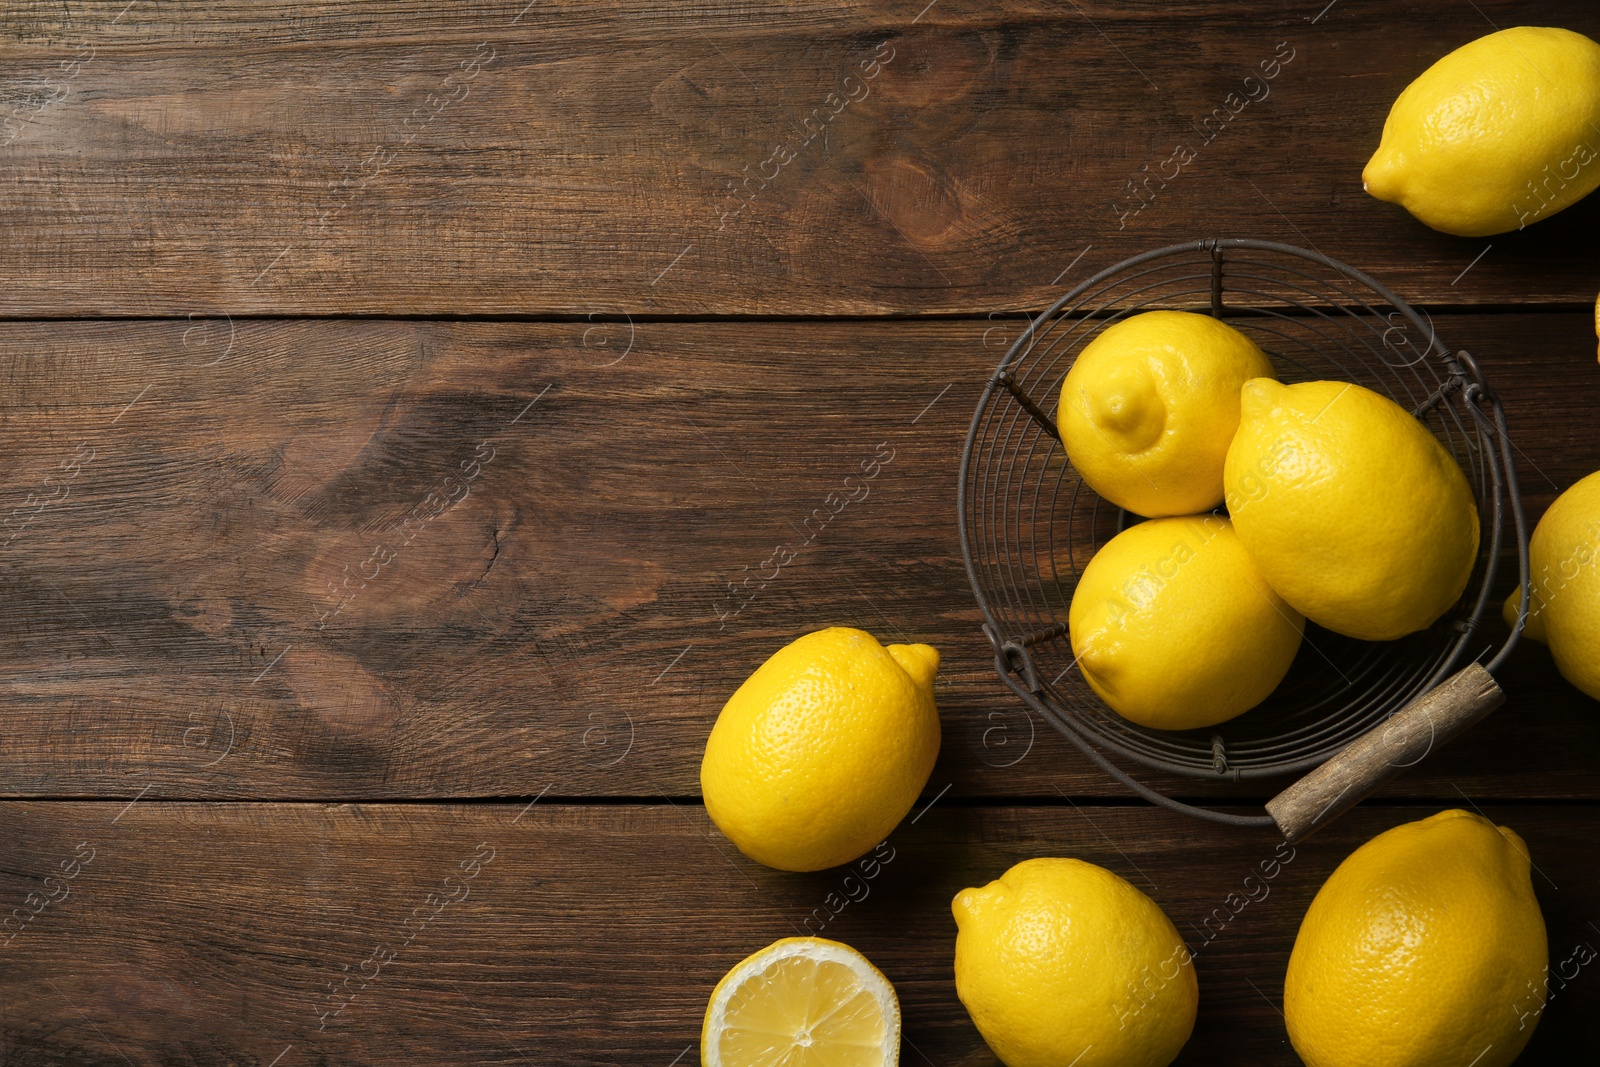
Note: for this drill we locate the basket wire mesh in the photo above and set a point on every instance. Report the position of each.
(1029, 524)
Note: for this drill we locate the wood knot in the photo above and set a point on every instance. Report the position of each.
(412, 572)
(918, 197)
(349, 699)
(933, 67)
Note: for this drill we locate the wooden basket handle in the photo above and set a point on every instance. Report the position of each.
(1384, 751)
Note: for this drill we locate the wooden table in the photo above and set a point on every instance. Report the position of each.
(397, 396)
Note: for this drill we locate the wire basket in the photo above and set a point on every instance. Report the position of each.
(1029, 524)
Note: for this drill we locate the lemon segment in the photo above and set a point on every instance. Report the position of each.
(1062, 962)
(1350, 507)
(1564, 608)
(802, 1002)
(1173, 625)
(1425, 948)
(1149, 406)
(823, 750)
(1499, 134)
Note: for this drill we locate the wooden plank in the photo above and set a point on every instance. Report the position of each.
(337, 559)
(213, 933)
(656, 158)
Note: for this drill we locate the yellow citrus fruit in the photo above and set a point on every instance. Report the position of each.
(823, 749)
(1425, 948)
(1498, 134)
(802, 1002)
(1149, 406)
(1352, 509)
(1061, 962)
(1564, 608)
(1174, 626)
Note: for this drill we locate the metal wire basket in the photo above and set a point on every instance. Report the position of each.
(1029, 524)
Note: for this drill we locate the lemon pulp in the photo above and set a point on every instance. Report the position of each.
(802, 1002)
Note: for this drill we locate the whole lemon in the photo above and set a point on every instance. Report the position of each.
(1498, 134)
(823, 750)
(1353, 511)
(1426, 948)
(1564, 608)
(1174, 626)
(1061, 962)
(1149, 406)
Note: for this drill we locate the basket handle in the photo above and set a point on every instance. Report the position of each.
(1383, 752)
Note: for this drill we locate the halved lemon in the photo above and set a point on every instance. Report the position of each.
(802, 1002)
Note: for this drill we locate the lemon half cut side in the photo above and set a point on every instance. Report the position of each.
(802, 1002)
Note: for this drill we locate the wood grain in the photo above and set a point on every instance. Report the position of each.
(212, 933)
(340, 560)
(661, 159)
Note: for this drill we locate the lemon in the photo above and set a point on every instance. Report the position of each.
(823, 749)
(1061, 963)
(1564, 609)
(1175, 628)
(1498, 134)
(1425, 948)
(1149, 406)
(802, 1002)
(1354, 512)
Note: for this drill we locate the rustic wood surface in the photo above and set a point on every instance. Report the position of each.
(356, 934)
(194, 614)
(402, 404)
(164, 159)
